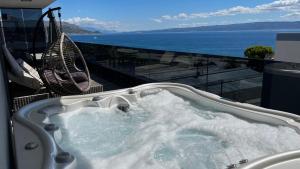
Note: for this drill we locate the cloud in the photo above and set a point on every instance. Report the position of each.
(292, 15)
(91, 22)
(187, 25)
(278, 5)
(157, 20)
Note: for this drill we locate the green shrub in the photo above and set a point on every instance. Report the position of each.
(259, 52)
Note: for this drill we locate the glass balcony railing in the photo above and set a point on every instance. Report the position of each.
(238, 79)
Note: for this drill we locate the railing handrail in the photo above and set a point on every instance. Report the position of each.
(204, 55)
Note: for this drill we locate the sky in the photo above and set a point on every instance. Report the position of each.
(135, 15)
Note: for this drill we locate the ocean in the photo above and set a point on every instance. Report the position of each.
(229, 43)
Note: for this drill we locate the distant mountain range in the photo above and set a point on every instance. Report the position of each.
(74, 29)
(93, 29)
(237, 27)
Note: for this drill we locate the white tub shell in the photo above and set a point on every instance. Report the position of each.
(29, 126)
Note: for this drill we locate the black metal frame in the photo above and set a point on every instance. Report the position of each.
(58, 69)
(35, 33)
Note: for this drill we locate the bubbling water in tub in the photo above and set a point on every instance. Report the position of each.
(164, 131)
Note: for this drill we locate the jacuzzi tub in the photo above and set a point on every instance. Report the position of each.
(202, 126)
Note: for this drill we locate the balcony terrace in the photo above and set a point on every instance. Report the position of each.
(238, 79)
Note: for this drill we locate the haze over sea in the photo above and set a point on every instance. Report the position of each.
(227, 43)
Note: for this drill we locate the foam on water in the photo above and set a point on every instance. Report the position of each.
(163, 131)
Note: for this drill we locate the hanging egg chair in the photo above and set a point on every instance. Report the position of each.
(62, 66)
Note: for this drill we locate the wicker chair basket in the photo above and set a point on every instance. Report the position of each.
(59, 71)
